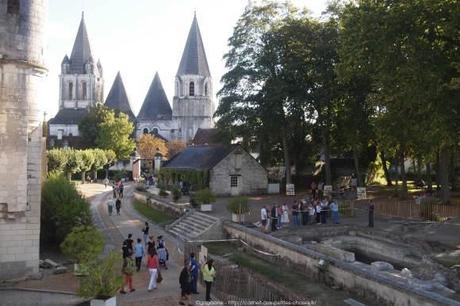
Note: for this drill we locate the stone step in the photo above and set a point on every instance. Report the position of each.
(205, 216)
(190, 231)
(201, 220)
(179, 234)
(195, 224)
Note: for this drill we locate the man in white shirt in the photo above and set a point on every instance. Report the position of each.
(263, 218)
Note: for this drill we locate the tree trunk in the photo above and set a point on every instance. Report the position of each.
(356, 162)
(327, 159)
(69, 176)
(107, 172)
(385, 168)
(429, 181)
(95, 175)
(83, 177)
(444, 173)
(403, 174)
(287, 162)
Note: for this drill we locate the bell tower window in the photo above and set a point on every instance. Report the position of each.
(84, 90)
(191, 89)
(12, 7)
(70, 91)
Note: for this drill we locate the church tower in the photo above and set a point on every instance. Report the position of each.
(81, 85)
(192, 103)
(22, 72)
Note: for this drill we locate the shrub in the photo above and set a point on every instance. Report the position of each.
(83, 243)
(176, 194)
(204, 196)
(62, 209)
(238, 205)
(104, 278)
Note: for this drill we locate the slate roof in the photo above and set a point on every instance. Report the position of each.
(81, 52)
(199, 157)
(156, 105)
(194, 58)
(118, 99)
(69, 116)
(205, 136)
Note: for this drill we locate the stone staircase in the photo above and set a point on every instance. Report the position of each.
(195, 226)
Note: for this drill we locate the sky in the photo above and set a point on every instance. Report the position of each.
(141, 37)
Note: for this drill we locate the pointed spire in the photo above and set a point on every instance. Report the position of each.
(118, 99)
(194, 57)
(81, 51)
(156, 105)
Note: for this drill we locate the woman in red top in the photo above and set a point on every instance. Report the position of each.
(152, 266)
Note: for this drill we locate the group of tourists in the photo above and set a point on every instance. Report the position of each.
(153, 253)
(188, 278)
(117, 196)
(303, 212)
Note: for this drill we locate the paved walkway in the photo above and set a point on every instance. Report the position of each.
(116, 228)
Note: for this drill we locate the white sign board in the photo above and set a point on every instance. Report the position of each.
(290, 189)
(327, 191)
(203, 256)
(361, 193)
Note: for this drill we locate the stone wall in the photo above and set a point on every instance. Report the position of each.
(385, 289)
(22, 26)
(252, 177)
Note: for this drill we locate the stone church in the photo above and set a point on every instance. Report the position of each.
(82, 86)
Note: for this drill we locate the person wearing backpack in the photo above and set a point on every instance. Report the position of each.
(128, 271)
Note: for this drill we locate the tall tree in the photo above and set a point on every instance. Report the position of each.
(114, 133)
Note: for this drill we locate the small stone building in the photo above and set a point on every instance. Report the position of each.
(231, 170)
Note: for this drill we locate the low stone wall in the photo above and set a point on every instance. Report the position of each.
(387, 289)
(171, 208)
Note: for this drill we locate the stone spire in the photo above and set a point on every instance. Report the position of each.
(81, 52)
(156, 105)
(194, 57)
(118, 99)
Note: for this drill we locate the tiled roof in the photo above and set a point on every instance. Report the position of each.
(199, 157)
(156, 105)
(118, 99)
(81, 51)
(205, 136)
(69, 116)
(194, 58)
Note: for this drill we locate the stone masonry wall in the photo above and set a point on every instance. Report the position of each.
(22, 25)
(252, 176)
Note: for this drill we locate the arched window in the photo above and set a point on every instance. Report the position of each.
(145, 131)
(12, 7)
(70, 91)
(191, 89)
(206, 89)
(83, 90)
(155, 131)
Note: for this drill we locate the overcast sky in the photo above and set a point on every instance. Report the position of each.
(140, 37)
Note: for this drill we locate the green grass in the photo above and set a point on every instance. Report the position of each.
(221, 248)
(154, 215)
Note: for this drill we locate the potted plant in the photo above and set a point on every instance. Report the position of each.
(205, 198)
(82, 244)
(238, 206)
(176, 193)
(103, 280)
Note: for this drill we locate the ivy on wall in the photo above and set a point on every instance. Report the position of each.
(197, 179)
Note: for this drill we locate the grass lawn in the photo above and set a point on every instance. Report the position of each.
(154, 215)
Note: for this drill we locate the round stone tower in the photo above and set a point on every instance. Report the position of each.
(22, 72)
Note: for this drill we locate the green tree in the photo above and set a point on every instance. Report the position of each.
(74, 162)
(114, 133)
(83, 243)
(62, 208)
(100, 160)
(89, 126)
(57, 160)
(88, 159)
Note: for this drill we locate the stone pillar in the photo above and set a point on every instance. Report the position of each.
(21, 136)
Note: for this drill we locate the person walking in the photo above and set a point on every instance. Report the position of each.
(274, 217)
(153, 267)
(264, 218)
(334, 211)
(311, 212)
(285, 214)
(145, 230)
(371, 214)
(127, 246)
(318, 212)
(106, 183)
(150, 245)
(110, 205)
(324, 210)
(194, 268)
(138, 253)
(118, 206)
(185, 284)
(295, 213)
(121, 187)
(128, 271)
(209, 273)
(162, 252)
